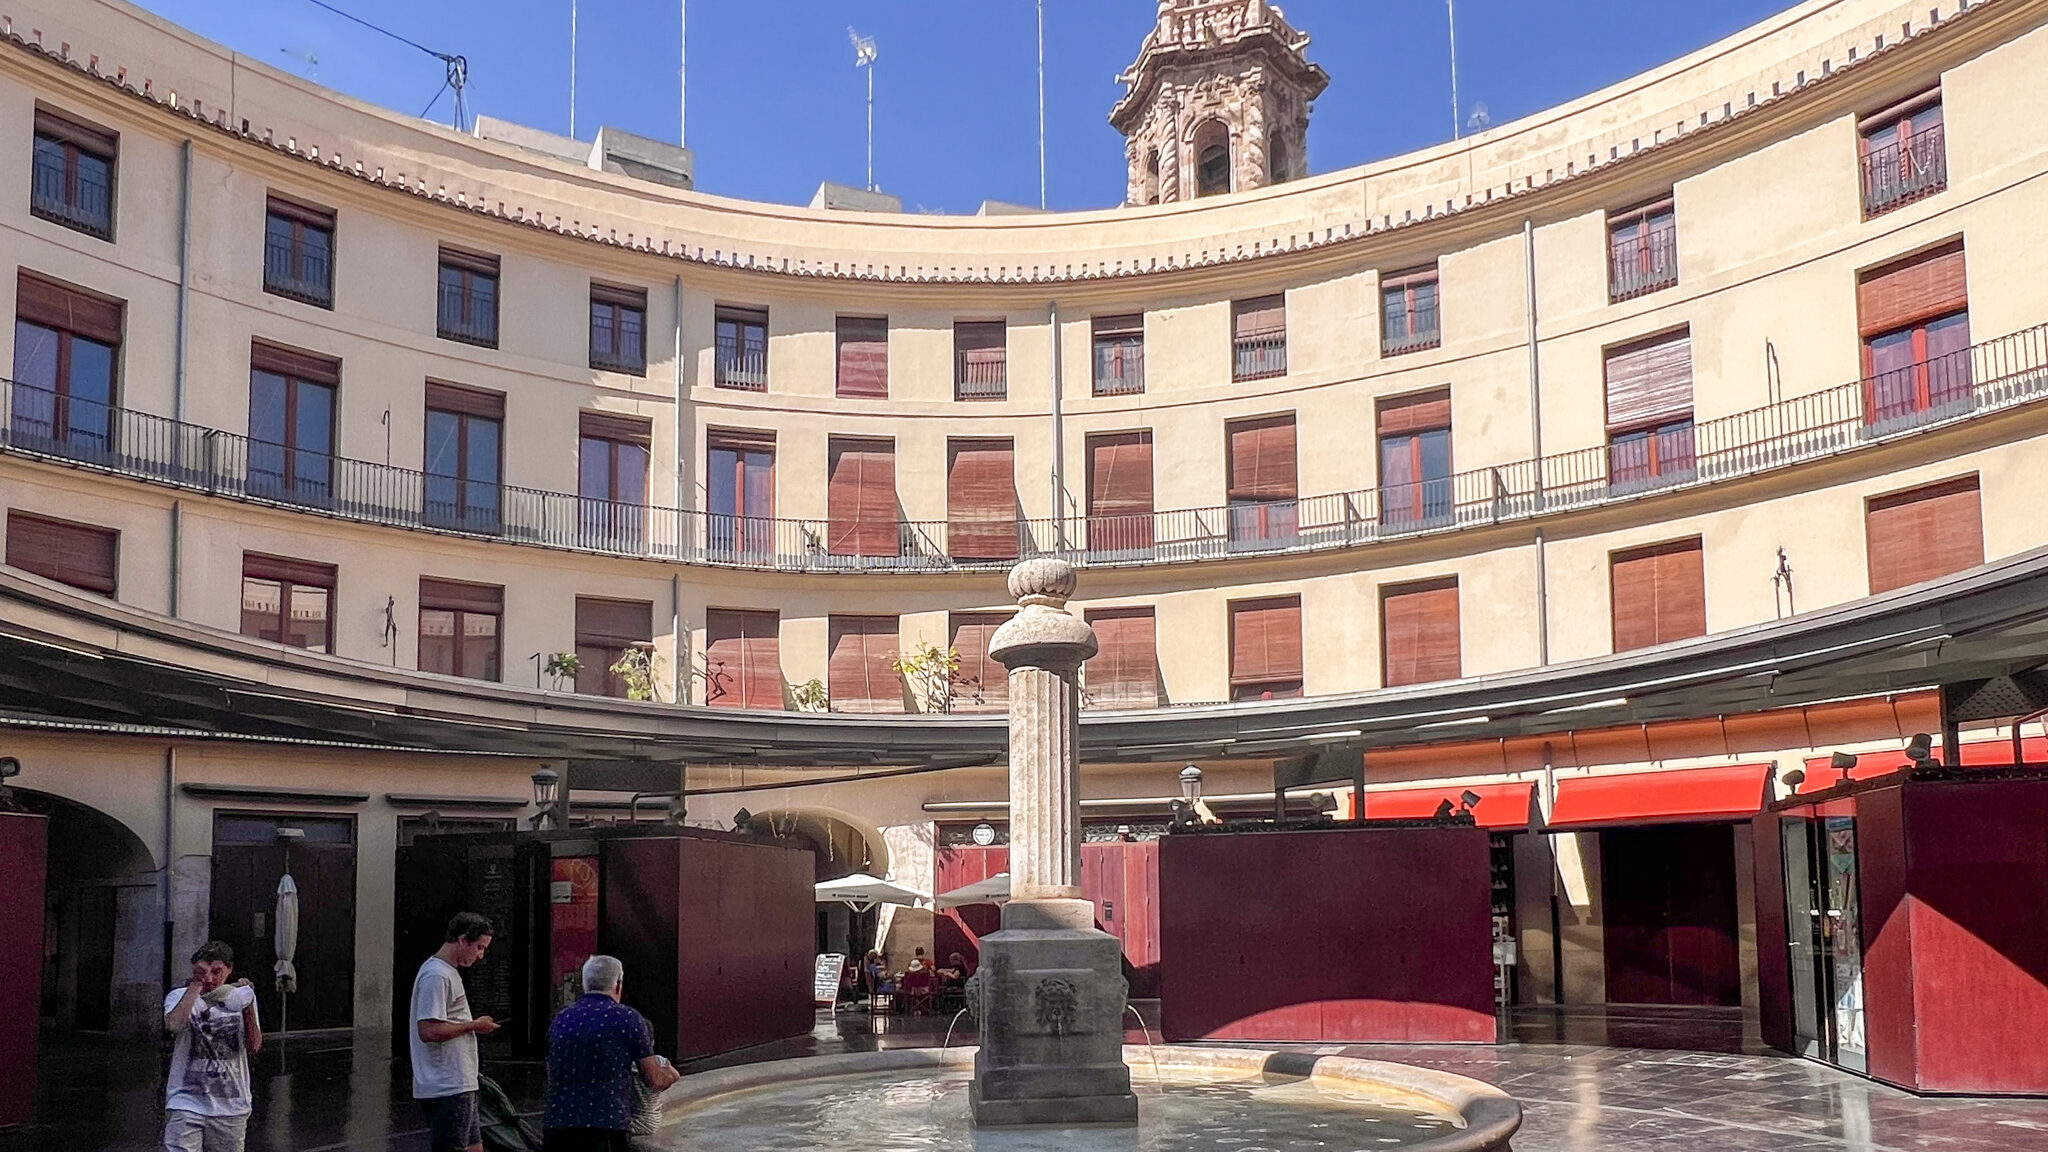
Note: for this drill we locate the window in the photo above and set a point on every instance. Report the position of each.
(1212, 159)
(1415, 458)
(65, 345)
(981, 500)
(298, 251)
(1119, 355)
(1124, 672)
(740, 483)
(465, 437)
(863, 361)
(71, 179)
(1265, 649)
(1258, 338)
(860, 498)
(1903, 155)
(1642, 249)
(605, 631)
(1148, 192)
(1120, 493)
(742, 659)
(982, 684)
(468, 307)
(618, 329)
(1408, 311)
(460, 626)
(1419, 632)
(1914, 315)
(1262, 479)
(611, 480)
(980, 360)
(1649, 410)
(291, 424)
(288, 602)
(81, 555)
(1660, 594)
(1923, 534)
(742, 349)
(859, 676)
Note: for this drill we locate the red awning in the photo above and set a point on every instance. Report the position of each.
(1687, 794)
(1820, 774)
(1500, 805)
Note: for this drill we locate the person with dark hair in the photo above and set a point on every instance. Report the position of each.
(206, 1098)
(443, 1040)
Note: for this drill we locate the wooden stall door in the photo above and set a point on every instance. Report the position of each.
(961, 929)
(24, 860)
(248, 860)
(1668, 899)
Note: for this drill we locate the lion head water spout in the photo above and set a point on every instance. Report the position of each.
(1050, 995)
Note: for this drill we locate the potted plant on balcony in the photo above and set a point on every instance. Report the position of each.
(810, 696)
(638, 667)
(562, 667)
(931, 671)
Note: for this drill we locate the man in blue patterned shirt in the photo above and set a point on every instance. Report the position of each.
(596, 1047)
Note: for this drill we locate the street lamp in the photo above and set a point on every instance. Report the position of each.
(1191, 783)
(547, 789)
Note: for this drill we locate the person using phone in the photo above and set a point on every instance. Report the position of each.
(207, 1097)
(443, 1040)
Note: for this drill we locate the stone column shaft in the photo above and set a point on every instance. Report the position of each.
(1045, 785)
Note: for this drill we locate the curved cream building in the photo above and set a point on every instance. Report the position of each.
(1516, 462)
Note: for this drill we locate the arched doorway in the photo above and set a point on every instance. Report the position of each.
(842, 848)
(1150, 194)
(102, 921)
(1212, 159)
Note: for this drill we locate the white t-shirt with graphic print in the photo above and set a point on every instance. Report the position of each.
(210, 1065)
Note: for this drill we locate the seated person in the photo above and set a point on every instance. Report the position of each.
(956, 970)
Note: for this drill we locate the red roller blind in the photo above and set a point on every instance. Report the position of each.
(1125, 671)
(742, 659)
(1660, 594)
(613, 623)
(858, 674)
(81, 555)
(983, 683)
(307, 572)
(67, 309)
(860, 498)
(1264, 316)
(468, 401)
(981, 499)
(1908, 291)
(863, 356)
(622, 429)
(1924, 534)
(1419, 633)
(1262, 458)
(1423, 412)
(461, 596)
(1265, 640)
(1650, 381)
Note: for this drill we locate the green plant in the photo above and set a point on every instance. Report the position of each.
(810, 696)
(637, 667)
(931, 671)
(563, 666)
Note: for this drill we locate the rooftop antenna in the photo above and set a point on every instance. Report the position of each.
(306, 57)
(864, 54)
(1041, 104)
(683, 74)
(456, 74)
(1451, 7)
(572, 69)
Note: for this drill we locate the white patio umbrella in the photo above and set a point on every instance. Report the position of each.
(861, 892)
(285, 942)
(994, 890)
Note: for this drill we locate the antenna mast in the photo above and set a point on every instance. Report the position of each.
(1451, 6)
(457, 67)
(864, 54)
(1041, 104)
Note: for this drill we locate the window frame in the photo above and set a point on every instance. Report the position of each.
(618, 301)
(1930, 155)
(290, 575)
(1258, 353)
(472, 269)
(37, 305)
(463, 599)
(302, 219)
(739, 532)
(1123, 336)
(1409, 282)
(77, 139)
(981, 336)
(299, 371)
(729, 367)
(1656, 259)
(465, 406)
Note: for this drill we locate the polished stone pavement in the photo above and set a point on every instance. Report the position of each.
(1613, 1080)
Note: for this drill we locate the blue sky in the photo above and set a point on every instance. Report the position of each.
(776, 104)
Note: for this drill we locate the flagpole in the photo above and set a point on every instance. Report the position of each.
(572, 69)
(1451, 6)
(683, 74)
(1041, 104)
(871, 126)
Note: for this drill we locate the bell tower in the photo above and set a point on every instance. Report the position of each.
(1218, 101)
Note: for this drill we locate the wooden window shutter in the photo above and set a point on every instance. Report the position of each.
(461, 596)
(468, 401)
(1264, 316)
(1262, 458)
(1419, 633)
(863, 357)
(981, 499)
(618, 296)
(82, 555)
(1119, 491)
(306, 572)
(860, 498)
(1422, 412)
(624, 429)
(308, 366)
(1660, 594)
(742, 659)
(311, 215)
(1124, 673)
(983, 683)
(858, 674)
(1265, 640)
(1905, 292)
(474, 262)
(1650, 381)
(68, 309)
(1119, 327)
(98, 141)
(1924, 534)
(604, 623)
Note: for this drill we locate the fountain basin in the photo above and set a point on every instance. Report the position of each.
(1236, 1099)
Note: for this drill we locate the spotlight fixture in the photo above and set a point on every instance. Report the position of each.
(1793, 778)
(741, 819)
(1842, 762)
(1443, 810)
(1468, 800)
(1920, 750)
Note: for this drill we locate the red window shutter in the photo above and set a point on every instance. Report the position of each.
(461, 596)
(299, 365)
(1650, 381)
(1419, 633)
(1905, 292)
(618, 429)
(468, 401)
(1660, 594)
(742, 659)
(863, 357)
(1119, 491)
(983, 684)
(1924, 534)
(1422, 412)
(306, 572)
(860, 498)
(614, 623)
(1265, 640)
(981, 500)
(1264, 316)
(81, 555)
(1262, 458)
(858, 674)
(1125, 671)
(67, 309)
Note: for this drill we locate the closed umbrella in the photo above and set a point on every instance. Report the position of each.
(285, 942)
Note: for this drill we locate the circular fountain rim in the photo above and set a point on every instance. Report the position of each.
(1490, 1115)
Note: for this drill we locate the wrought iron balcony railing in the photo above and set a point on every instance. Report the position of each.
(1992, 376)
(1639, 265)
(1901, 173)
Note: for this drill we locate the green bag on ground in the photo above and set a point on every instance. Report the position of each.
(504, 1129)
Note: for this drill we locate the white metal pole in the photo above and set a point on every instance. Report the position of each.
(1451, 6)
(1041, 104)
(871, 126)
(572, 69)
(683, 74)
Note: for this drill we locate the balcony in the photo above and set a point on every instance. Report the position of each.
(1260, 356)
(742, 364)
(1119, 368)
(1422, 333)
(298, 274)
(1993, 376)
(977, 376)
(1900, 173)
(1641, 264)
(77, 195)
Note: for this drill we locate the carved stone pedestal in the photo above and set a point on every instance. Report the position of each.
(1050, 995)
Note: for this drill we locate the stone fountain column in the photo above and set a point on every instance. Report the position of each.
(1050, 993)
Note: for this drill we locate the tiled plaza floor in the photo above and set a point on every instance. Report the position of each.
(1588, 1081)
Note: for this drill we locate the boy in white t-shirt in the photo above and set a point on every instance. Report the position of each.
(206, 1098)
